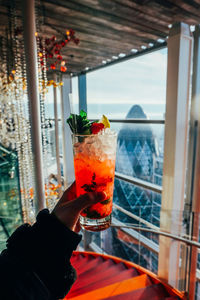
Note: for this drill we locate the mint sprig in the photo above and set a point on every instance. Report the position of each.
(79, 124)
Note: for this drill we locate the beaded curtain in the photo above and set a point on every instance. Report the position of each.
(14, 112)
(15, 133)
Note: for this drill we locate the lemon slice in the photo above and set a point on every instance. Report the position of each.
(105, 121)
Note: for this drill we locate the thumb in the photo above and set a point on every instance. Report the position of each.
(88, 199)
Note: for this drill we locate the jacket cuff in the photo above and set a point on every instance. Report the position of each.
(45, 249)
(48, 229)
(48, 238)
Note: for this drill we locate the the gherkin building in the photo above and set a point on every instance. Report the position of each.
(137, 156)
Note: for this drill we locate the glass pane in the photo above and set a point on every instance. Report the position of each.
(51, 147)
(128, 248)
(59, 101)
(51, 167)
(74, 96)
(141, 202)
(133, 240)
(114, 90)
(10, 205)
(197, 293)
(60, 137)
(2, 245)
(49, 104)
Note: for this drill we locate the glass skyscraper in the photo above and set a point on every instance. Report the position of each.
(137, 156)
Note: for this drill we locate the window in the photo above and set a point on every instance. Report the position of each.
(134, 89)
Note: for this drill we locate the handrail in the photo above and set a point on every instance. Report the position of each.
(159, 232)
(139, 182)
(129, 121)
(136, 235)
(133, 216)
(9, 218)
(138, 121)
(6, 150)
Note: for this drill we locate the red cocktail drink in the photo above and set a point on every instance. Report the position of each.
(94, 163)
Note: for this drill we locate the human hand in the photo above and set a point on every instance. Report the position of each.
(68, 208)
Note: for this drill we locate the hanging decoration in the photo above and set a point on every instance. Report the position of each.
(50, 57)
(14, 121)
(50, 49)
(50, 54)
(14, 109)
(54, 83)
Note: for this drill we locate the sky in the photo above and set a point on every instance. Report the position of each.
(139, 80)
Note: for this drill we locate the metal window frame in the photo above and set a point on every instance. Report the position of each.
(193, 192)
(137, 121)
(180, 43)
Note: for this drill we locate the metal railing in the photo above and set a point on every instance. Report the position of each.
(139, 182)
(159, 232)
(127, 121)
(138, 121)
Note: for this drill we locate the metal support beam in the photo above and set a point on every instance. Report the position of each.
(175, 150)
(33, 96)
(193, 190)
(57, 137)
(82, 91)
(68, 165)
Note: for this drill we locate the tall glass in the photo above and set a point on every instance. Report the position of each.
(94, 163)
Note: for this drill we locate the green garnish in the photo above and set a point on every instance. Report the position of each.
(90, 187)
(79, 124)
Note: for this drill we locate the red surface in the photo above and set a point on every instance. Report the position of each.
(172, 298)
(153, 292)
(110, 278)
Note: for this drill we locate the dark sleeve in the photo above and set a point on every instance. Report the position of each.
(43, 252)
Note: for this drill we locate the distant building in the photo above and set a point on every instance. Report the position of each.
(137, 156)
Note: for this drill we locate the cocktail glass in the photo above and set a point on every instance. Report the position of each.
(94, 163)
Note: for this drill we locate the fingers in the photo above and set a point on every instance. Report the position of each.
(88, 199)
(69, 194)
(68, 211)
(71, 210)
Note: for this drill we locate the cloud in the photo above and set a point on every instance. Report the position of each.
(142, 78)
(138, 80)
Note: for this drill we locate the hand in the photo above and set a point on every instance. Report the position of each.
(68, 208)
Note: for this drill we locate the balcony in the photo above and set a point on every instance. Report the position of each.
(139, 67)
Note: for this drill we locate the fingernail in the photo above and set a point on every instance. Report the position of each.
(101, 196)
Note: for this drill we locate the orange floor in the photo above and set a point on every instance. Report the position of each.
(110, 278)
